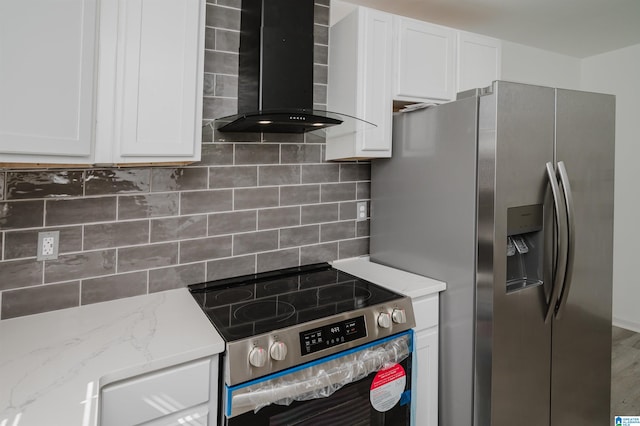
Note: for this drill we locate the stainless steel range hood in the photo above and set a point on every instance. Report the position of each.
(275, 75)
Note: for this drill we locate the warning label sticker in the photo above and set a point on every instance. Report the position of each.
(387, 387)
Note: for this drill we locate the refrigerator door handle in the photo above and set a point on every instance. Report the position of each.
(561, 254)
(568, 197)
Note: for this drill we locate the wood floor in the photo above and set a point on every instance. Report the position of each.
(625, 373)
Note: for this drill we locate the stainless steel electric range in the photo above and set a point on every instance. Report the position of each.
(309, 345)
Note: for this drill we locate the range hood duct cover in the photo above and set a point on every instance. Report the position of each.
(275, 75)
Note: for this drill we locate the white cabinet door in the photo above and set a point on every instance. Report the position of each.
(154, 79)
(47, 55)
(425, 399)
(163, 396)
(425, 59)
(479, 60)
(360, 75)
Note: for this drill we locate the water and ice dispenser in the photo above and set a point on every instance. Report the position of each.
(525, 242)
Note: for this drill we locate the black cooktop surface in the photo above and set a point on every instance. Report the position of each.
(254, 304)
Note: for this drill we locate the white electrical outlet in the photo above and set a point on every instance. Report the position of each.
(48, 245)
(361, 208)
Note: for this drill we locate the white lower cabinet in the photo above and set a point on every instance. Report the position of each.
(425, 362)
(182, 394)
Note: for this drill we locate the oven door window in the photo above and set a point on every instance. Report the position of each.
(346, 397)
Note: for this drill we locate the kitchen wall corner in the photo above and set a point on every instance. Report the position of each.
(253, 203)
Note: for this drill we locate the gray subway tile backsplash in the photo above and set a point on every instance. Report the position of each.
(253, 198)
(180, 179)
(278, 217)
(320, 173)
(147, 206)
(301, 153)
(232, 177)
(257, 154)
(231, 267)
(223, 17)
(176, 276)
(232, 222)
(80, 265)
(44, 184)
(20, 244)
(20, 273)
(178, 228)
(278, 175)
(299, 194)
(113, 287)
(254, 242)
(278, 259)
(117, 181)
(253, 202)
(115, 234)
(80, 210)
(34, 300)
(337, 192)
(205, 248)
(21, 214)
(148, 256)
(194, 202)
(227, 41)
(318, 253)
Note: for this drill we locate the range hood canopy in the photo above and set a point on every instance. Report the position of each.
(275, 75)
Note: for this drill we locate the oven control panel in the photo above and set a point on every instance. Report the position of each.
(331, 335)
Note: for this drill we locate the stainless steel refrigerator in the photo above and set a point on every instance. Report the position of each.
(507, 195)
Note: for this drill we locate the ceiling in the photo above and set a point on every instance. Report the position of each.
(578, 28)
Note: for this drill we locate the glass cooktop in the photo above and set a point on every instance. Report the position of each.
(254, 304)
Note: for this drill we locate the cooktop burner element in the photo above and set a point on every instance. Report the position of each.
(296, 308)
(243, 306)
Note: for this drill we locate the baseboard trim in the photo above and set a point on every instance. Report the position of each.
(629, 325)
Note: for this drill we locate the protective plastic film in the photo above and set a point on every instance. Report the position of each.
(321, 378)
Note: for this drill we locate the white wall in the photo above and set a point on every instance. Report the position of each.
(525, 64)
(618, 73)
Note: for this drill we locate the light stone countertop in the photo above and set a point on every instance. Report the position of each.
(53, 364)
(412, 285)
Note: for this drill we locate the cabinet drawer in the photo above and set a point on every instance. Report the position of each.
(156, 394)
(426, 312)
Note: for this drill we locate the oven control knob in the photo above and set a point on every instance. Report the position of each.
(384, 320)
(399, 316)
(278, 351)
(258, 357)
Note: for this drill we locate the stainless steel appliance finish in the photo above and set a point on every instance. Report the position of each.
(507, 195)
(281, 319)
(237, 365)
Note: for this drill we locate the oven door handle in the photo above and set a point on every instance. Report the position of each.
(319, 379)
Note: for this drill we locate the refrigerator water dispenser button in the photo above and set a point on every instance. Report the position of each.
(520, 244)
(511, 248)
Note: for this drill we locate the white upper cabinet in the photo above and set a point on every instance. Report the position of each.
(47, 80)
(424, 61)
(479, 60)
(150, 85)
(141, 104)
(360, 77)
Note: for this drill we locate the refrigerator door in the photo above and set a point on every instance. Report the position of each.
(513, 341)
(581, 357)
(423, 212)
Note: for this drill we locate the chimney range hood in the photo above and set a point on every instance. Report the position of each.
(275, 75)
